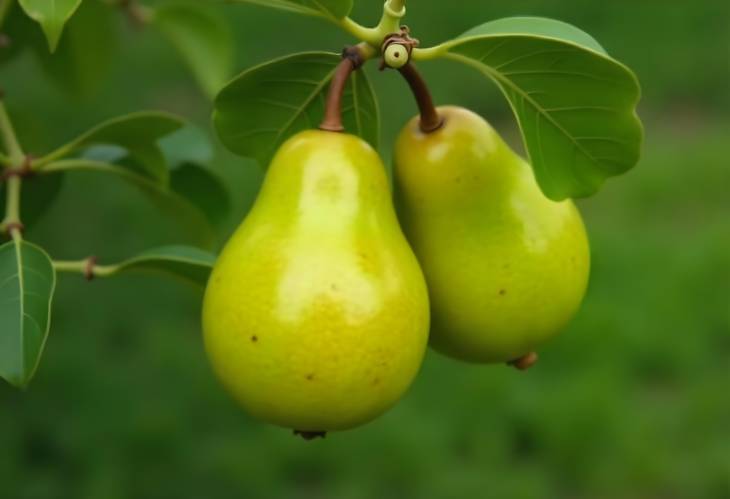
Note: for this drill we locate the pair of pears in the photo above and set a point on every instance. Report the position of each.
(317, 314)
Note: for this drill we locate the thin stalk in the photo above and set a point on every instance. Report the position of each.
(431, 120)
(11, 223)
(393, 12)
(10, 140)
(332, 121)
(12, 203)
(352, 60)
(370, 36)
(397, 5)
(430, 53)
(88, 267)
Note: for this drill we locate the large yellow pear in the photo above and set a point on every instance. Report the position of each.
(506, 267)
(316, 313)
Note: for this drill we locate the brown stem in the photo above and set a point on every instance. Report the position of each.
(351, 60)
(430, 118)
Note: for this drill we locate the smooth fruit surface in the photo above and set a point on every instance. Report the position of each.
(506, 267)
(316, 314)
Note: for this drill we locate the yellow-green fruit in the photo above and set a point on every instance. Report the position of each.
(316, 313)
(506, 267)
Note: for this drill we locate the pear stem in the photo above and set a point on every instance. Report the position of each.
(352, 59)
(431, 120)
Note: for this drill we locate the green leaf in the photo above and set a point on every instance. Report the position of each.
(19, 32)
(336, 9)
(52, 15)
(86, 52)
(185, 152)
(188, 144)
(576, 107)
(204, 39)
(137, 133)
(537, 26)
(164, 197)
(187, 262)
(265, 105)
(204, 189)
(27, 282)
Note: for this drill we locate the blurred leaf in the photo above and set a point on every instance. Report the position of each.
(39, 192)
(18, 31)
(185, 152)
(204, 39)
(334, 8)
(576, 106)
(186, 262)
(86, 52)
(164, 198)
(138, 133)
(52, 15)
(188, 144)
(202, 188)
(27, 282)
(263, 106)
(104, 153)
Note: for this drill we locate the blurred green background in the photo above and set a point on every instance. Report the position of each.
(630, 402)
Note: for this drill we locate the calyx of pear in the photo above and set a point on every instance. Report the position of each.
(506, 267)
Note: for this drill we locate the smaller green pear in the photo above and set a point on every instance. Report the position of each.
(506, 267)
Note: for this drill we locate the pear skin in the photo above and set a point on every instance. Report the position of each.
(506, 267)
(316, 314)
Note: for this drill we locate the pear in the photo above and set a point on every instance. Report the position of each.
(316, 316)
(506, 267)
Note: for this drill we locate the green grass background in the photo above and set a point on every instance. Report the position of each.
(630, 402)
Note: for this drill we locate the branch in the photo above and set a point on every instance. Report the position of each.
(397, 5)
(11, 224)
(393, 12)
(88, 267)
